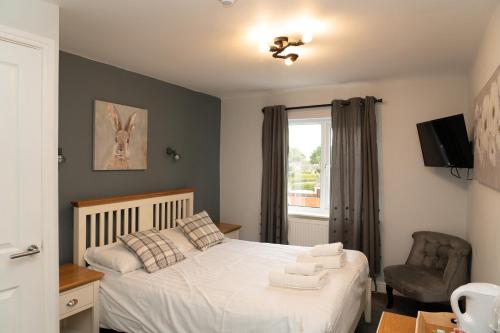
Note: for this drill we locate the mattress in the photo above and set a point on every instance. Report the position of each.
(226, 289)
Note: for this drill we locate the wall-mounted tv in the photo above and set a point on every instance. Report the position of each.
(444, 143)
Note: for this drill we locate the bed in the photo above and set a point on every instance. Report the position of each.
(223, 289)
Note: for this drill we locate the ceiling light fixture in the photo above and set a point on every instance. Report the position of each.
(282, 43)
(263, 47)
(290, 59)
(307, 37)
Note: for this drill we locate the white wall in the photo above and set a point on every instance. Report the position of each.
(483, 220)
(413, 197)
(35, 16)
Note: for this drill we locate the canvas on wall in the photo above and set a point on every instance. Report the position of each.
(120, 137)
(487, 133)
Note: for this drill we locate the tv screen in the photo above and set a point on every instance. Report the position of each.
(444, 142)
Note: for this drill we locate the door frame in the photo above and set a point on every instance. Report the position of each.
(49, 144)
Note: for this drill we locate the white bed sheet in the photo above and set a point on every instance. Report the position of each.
(226, 289)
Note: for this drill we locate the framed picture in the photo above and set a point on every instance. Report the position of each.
(120, 137)
(487, 133)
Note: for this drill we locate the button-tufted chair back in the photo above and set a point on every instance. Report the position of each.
(441, 252)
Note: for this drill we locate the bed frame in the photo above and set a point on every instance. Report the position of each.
(98, 222)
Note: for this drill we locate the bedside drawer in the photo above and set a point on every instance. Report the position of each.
(75, 299)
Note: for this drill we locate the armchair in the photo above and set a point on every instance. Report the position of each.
(437, 265)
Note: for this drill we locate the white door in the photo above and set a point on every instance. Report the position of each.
(26, 295)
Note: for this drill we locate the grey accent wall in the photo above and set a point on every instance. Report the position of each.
(178, 117)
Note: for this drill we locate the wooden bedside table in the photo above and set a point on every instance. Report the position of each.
(395, 323)
(229, 230)
(78, 299)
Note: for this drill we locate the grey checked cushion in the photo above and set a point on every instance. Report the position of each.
(201, 231)
(155, 250)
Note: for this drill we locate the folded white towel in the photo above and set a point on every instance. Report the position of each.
(303, 268)
(327, 262)
(333, 249)
(282, 279)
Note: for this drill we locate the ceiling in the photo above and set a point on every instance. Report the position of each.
(203, 46)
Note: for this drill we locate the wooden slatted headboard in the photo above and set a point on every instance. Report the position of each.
(98, 222)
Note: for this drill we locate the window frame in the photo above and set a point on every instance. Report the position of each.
(326, 139)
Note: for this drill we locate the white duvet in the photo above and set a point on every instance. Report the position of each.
(226, 289)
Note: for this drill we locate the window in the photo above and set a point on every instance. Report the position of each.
(309, 166)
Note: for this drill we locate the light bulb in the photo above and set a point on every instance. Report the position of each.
(307, 37)
(263, 47)
(288, 62)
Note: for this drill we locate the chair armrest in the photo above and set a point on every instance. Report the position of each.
(456, 272)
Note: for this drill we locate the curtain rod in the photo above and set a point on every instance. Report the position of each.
(378, 100)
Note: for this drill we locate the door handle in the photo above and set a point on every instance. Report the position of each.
(31, 250)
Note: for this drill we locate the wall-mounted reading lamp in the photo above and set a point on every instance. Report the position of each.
(60, 157)
(171, 152)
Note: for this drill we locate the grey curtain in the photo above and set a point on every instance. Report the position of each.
(354, 197)
(274, 206)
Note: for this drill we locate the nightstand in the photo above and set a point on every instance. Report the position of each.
(230, 230)
(78, 299)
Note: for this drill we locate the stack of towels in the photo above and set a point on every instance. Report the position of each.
(328, 255)
(299, 276)
(309, 270)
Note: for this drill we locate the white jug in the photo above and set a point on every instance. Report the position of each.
(479, 302)
(495, 322)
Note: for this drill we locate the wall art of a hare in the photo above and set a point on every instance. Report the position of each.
(121, 153)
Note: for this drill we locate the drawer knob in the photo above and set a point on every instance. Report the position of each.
(71, 303)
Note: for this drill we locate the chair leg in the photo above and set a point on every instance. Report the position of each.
(390, 296)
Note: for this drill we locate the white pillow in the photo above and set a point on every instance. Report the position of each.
(116, 257)
(178, 238)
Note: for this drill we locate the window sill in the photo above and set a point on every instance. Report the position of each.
(316, 215)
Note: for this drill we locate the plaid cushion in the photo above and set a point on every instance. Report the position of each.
(155, 250)
(201, 231)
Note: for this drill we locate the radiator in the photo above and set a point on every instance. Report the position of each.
(307, 231)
